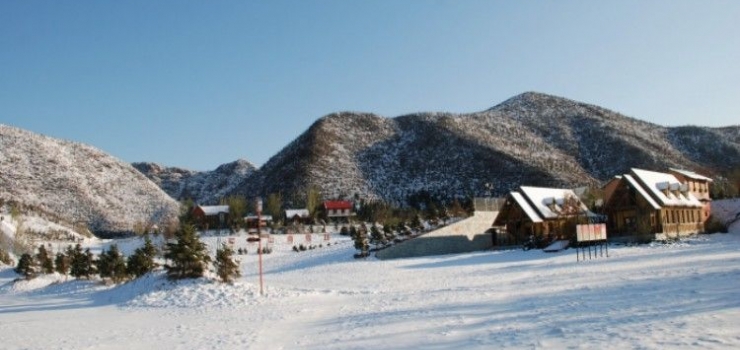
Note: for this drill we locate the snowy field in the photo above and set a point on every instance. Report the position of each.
(657, 296)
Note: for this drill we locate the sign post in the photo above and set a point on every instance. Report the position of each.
(589, 234)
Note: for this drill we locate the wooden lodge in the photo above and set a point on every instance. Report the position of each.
(544, 214)
(645, 205)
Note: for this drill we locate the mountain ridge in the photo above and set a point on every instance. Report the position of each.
(78, 184)
(531, 138)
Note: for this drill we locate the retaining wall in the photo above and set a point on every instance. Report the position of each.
(461, 237)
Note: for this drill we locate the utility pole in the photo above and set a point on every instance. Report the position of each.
(259, 234)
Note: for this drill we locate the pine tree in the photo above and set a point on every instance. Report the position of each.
(112, 265)
(61, 263)
(44, 260)
(361, 243)
(81, 263)
(377, 237)
(142, 261)
(416, 223)
(388, 233)
(226, 267)
(189, 256)
(26, 266)
(90, 263)
(76, 261)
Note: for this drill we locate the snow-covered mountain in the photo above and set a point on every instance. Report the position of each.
(533, 139)
(76, 184)
(204, 187)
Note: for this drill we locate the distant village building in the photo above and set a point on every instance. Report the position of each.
(339, 210)
(649, 204)
(253, 221)
(543, 213)
(297, 216)
(211, 217)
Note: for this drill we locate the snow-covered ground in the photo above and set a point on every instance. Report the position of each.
(656, 296)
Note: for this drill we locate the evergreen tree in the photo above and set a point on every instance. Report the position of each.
(112, 265)
(416, 223)
(26, 266)
(226, 267)
(388, 233)
(402, 229)
(76, 261)
(377, 237)
(90, 263)
(81, 263)
(61, 263)
(444, 215)
(189, 256)
(142, 261)
(44, 260)
(361, 243)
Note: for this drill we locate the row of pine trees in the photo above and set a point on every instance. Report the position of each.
(187, 257)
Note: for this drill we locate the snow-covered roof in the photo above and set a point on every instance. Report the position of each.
(633, 183)
(262, 217)
(691, 174)
(548, 201)
(666, 188)
(291, 213)
(531, 213)
(209, 210)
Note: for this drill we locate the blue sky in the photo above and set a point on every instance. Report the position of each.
(199, 83)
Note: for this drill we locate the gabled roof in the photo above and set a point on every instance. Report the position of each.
(548, 201)
(291, 213)
(690, 174)
(633, 183)
(337, 205)
(210, 210)
(531, 213)
(665, 188)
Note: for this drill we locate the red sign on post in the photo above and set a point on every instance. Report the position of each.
(326, 236)
(290, 238)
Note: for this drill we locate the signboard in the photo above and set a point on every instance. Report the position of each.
(326, 237)
(308, 237)
(591, 232)
(290, 238)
